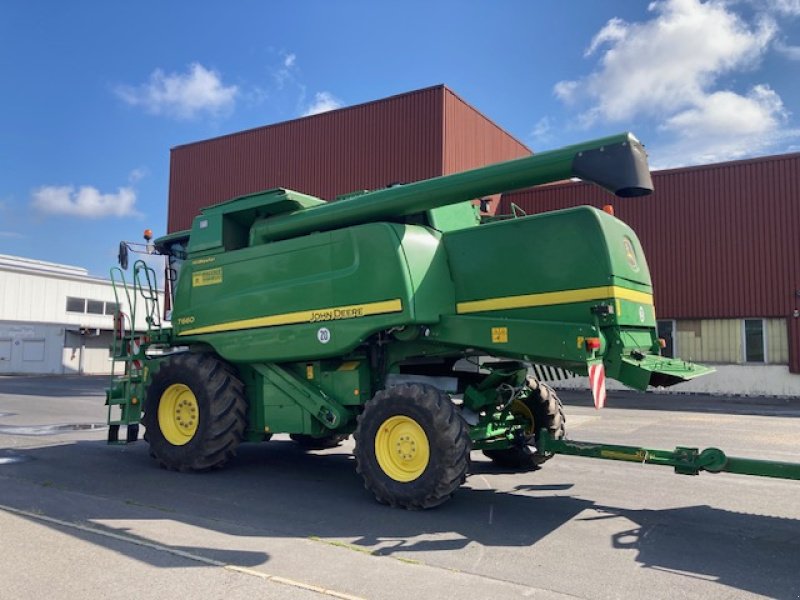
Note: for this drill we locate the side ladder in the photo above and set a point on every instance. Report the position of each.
(128, 350)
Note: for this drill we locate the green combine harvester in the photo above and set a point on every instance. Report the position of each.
(398, 317)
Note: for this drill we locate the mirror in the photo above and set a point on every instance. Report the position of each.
(123, 255)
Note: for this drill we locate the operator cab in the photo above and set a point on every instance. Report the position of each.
(173, 247)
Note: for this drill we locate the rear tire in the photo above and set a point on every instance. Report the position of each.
(195, 413)
(308, 442)
(542, 403)
(412, 446)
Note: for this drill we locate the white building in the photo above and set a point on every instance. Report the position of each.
(56, 319)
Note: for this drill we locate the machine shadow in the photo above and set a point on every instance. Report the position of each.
(277, 490)
(755, 553)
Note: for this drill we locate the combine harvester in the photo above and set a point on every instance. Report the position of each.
(368, 316)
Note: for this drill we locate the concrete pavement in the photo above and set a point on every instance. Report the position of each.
(86, 519)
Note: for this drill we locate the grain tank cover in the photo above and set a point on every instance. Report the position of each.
(233, 224)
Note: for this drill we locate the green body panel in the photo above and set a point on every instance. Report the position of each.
(348, 381)
(235, 224)
(558, 268)
(268, 302)
(561, 250)
(525, 339)
(454, 217)
(285, 388)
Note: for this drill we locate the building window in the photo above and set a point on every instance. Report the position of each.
(76, 305)
(754, 347)
(94, 307)
(111, 308)
(666, 331)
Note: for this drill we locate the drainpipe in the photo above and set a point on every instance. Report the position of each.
(83, 351)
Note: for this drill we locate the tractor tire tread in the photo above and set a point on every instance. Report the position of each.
(223, 392)
(548, 413)
(448, 439)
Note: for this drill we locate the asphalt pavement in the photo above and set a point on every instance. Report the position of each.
(79, 518)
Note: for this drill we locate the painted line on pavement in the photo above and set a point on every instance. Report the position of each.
(181, 553)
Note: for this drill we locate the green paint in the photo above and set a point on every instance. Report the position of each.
(685, 461)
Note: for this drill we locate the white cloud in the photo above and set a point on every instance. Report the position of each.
(668, 69)
(323, 102)
(567, 91)
(666, 63)
(285, 73)
(789, 8)
(790, 52)
(182, 95)
(725, 126)
(761, 111)
(86, 202)
(138, 174)
(542, 131)
(615, 30)
(11, 235)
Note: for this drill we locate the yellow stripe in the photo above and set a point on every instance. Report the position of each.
(321, 315)
(350, 365)
(549, 298)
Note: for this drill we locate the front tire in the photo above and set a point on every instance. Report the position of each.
(196, 412)
(412, 446)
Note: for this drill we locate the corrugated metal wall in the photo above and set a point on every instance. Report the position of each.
(722, 241)
(471, 140)
(368, 146)
(404, 138)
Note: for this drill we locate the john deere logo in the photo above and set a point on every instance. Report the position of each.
(630, 254)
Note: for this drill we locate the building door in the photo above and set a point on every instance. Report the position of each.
(5, 355)
(666, 331)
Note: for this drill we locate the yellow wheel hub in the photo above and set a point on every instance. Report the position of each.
(520, 409)
(178, 414)
(402, 448)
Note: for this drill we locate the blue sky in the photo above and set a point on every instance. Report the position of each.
(94, 94)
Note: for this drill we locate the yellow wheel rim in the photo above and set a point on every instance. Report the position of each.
(402, 448)
(520, 409)
(178, 414)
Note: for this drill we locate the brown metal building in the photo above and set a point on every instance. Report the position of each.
(404, 138)
(722, 242)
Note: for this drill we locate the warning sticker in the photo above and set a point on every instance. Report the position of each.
(499, 335)
(207, 277)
